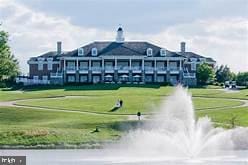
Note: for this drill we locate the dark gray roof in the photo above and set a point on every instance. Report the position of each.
(51, 54)
(122, 49)
(194, 55)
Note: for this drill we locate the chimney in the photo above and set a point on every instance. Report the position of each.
(183, 45)
(59, 48)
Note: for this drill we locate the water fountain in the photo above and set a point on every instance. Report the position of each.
(172, 136)
(175, 133)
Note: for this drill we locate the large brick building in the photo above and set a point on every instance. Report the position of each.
(116, 61)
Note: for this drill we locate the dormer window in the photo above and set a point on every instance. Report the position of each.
(162, 52)
(149, 52)
(193, 59)
(80, 51)
(94, 51)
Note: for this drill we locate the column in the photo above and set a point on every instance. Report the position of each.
(155, 70)
(130, 71)
(143, 70)
(168, 71)
(90, 72)
(77, 64)
(77, 72)
(64, 70)
(116, 71)
(180, 65)
(102, 71)
(180, 72)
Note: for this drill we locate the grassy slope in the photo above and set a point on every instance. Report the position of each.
(20, 126)
(224, 116)
(132, 103)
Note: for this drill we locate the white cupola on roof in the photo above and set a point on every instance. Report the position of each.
(120, 37)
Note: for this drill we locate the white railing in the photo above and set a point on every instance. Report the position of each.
(148, 68)
(123, 68)
(96, 68)
(70, 68)
(161, 68)
(57, 74)
(136, 68)
(174, 68)
(83, 68)
(189, 75)
(109, 68)
(28, 81)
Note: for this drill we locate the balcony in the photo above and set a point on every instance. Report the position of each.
(123, 69)
(161, 69)
(136, 69)
(96, 69)
(56, 75)
(149, 69)
(71, 69)
(189, 75)
(174, 69)
(83, 69)
(109, 69)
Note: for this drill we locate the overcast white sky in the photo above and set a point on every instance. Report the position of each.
(217, 28)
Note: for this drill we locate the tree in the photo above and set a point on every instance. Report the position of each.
(223, 74)
(205, 74)
(9, 67)
(242, 78)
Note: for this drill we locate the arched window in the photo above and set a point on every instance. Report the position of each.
(162, 52)
(149, 52)
(94, 51)
(80, 51)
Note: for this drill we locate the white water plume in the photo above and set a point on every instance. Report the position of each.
(175, 132)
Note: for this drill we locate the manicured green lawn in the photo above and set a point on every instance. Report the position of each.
(36, 127)
(21, 126)
(224, 116)
(132, 103)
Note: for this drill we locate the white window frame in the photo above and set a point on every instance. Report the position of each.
(84, 78)
(45, 78)
(149, 52)
(36, 78)
(193, 59)
(40, 65)
(94, 51)
(70, 79)
(80, 51)
(193, 66)
(162, 52)
(49, 65)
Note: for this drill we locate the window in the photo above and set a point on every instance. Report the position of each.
(203, 60)
(49, 65)
(84, 78)
(193, 59)
(161, 79)
(71, 65)
(193, 66)
(40, 65)
(80, 51)
(36, 77)
(149, 52)
(44, 78)
(94, 51)
(148, 78)
(162, 52)
(71, 78)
